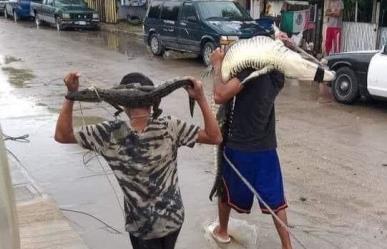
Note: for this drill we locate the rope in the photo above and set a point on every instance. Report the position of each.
(93, 88)
(251, 188)
(116, 231)
(100, 164)
(112, 186)
(21, 139)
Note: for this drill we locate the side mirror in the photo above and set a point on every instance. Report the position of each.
(191, 19)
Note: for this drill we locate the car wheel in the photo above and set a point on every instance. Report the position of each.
(345, 87)
(207, 49)
(58, 24)
(15, 16)
(155, 45)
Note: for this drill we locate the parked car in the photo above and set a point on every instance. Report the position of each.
(17, 9)
(2, 6)
(196, 26)
(64, 14)
(358, 74)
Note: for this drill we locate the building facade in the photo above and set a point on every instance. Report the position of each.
(364, 24)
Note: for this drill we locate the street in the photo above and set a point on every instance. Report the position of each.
(333, 156)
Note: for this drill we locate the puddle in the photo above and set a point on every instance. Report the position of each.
(244, 235)
(8, 60)
(129, 44)
(12, 106)
(18, 77)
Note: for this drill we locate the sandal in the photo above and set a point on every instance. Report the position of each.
(218, 239)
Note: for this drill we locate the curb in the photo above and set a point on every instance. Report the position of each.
(122, 28)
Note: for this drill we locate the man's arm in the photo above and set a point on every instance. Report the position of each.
(211, 133)
(223, 91)
(334, 13)
(64, 127)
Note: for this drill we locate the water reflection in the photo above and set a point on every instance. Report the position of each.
(12, 106)
(130, 44)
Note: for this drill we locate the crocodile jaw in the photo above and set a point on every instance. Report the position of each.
(305, 70)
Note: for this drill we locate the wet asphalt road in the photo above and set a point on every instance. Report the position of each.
(333, 156)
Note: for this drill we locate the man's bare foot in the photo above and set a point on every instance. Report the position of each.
(219, 235)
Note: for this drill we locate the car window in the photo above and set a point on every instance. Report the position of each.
(170, 11)
(154, 9)
(188, 12)
(218, 10)
(383, 13)
(71, 2)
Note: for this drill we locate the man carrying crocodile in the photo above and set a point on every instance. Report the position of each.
(250, 144)
(142, 153)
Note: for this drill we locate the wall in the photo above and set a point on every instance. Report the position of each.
(107, 9)
(256, 8)
(276, 7)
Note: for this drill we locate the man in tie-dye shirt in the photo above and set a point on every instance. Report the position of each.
(142, 154)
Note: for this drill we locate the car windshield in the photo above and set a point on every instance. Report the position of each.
(222, 11)
(71, 2)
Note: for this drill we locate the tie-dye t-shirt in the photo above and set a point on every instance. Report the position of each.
(146, 169)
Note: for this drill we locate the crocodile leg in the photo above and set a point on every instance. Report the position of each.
(258, 73)
(117, 107)
(156, 109)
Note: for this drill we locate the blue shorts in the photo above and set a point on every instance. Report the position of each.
(262, 170)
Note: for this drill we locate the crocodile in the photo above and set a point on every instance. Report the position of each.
(265, 54)
(133, 95)
(223, 113)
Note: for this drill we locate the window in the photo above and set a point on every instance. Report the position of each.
(383, 13)
(170, 11)
(71, 2)
(219, 11)
(188, 12)
(154, 9)
(363, 11)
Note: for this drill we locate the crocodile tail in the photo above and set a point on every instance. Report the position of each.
(214, 189)
(221, 116)
(191, 106)
(217, 188)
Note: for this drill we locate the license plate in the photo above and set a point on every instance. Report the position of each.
(81, 23)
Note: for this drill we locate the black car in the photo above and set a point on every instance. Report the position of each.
(196, 26)
(359, 74)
